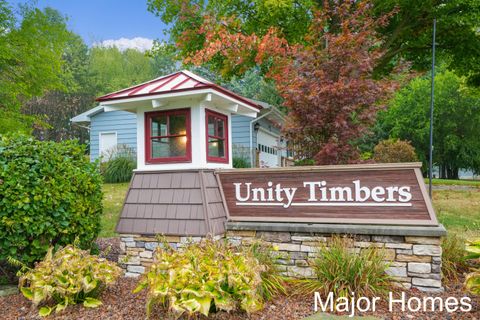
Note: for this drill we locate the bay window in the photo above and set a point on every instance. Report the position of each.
(167, 136)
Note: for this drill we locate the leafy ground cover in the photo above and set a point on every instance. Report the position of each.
(113, 196)
(448, 182)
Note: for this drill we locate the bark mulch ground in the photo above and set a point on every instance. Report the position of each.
(120, 303)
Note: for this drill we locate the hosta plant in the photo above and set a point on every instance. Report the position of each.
(472, 281)
(66, 277)
(204, 277)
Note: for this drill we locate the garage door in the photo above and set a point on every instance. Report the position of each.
(268, 151)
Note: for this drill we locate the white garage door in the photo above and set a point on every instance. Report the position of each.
(267, 145)
(108, 141)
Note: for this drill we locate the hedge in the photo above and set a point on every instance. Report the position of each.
(49, 194)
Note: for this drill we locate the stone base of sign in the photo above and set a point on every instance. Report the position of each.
(414, 253)
(137, 250)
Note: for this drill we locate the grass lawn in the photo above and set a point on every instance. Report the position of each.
(459, 211)
(113, 196)
(447, 182)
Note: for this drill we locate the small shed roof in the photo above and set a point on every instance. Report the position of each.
(176, 82)
(187, 203)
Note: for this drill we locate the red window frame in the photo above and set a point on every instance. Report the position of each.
(224, 118)
(148, 137)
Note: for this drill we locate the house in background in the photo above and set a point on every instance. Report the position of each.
(258, 139)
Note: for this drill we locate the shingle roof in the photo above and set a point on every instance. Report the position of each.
(176, 82)
(187, 203)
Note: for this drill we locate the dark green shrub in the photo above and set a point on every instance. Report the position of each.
(240, 163)
(119, 169)
(304, 162)
(394, 150)
(121, 161)
(49, 194)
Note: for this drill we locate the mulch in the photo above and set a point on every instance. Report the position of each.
(120, 303)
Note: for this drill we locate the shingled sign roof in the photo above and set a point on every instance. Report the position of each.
(187, 203)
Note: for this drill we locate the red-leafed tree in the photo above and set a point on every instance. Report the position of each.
(327, 83)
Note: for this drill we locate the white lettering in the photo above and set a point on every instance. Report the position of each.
(466, 306)
(404, 194)
(312, 186)
(341, 192)
(328, 302)
(237, 191)
(290, 193)
(391, 301)
(376, 192)
(359, 190)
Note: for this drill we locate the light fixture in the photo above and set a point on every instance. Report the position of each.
(256, 126)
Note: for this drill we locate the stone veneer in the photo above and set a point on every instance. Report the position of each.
(414, 258)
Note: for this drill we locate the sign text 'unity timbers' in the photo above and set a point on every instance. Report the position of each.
(379, 194)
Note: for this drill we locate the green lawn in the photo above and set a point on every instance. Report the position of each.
(447, 182)
(113, 197)
(459, 211)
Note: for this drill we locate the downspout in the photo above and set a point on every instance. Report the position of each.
(251, 134)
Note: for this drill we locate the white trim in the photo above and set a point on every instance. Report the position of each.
(100, 140)
(109, 103)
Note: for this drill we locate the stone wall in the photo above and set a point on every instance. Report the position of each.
(414, 261)
(414, 256)
(137, 250)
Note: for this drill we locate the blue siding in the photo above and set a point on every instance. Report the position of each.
(122, 122)
(241, 130)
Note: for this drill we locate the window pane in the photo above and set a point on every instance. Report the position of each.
(211, 125)
(159, 126)
(221, 129)
(169, 147)
(178, 124)
(216, 148)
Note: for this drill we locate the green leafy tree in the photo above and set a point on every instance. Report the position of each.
(31, 49)
(408, 34)
(456, 119)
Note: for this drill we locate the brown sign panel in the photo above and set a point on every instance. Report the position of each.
(369, 194)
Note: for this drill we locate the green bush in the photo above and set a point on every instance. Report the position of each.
(240, 163)
(121, 161)
(339, 269)
(49, 195)
(204, 277)
(453, 256)
(68, 277)
(394, 150)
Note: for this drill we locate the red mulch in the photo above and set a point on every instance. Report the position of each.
(120, 303)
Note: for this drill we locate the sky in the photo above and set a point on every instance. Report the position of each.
(124, 23)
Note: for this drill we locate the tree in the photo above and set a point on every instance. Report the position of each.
(327, 84)
(409, 32)
(31, 50)
(456, 142)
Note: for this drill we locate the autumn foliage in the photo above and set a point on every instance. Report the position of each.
(327, 82)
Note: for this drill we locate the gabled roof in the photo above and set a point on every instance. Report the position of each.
(85, 116)
(176, 82)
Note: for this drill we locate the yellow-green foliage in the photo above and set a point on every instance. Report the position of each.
(472, 281)
(68, 277)
(203, 277)
(453, 256)
(339, 269)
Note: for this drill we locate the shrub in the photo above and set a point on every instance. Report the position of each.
(240, 163)
(472, 281)
(273, 283)
(121, 161)
(453, 256)
(68, 277)
(204, 277)
(340, 270)
(393, 150)
(50, 194)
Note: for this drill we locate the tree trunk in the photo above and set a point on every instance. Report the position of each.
(452, 172)
(443, 171)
